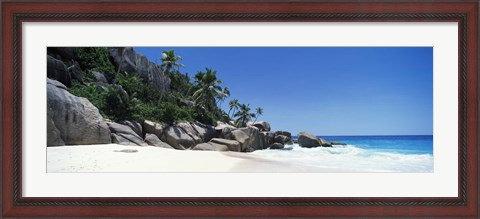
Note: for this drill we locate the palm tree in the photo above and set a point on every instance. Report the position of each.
(223, 95)
(169, 61)
(244, 115)
(207, 89)
(233, 105)
(258, 112)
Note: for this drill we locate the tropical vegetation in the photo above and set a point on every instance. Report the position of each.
(129, 98)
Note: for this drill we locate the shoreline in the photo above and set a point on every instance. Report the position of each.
(120, 158)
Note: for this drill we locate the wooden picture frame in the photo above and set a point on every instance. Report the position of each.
(16, 12)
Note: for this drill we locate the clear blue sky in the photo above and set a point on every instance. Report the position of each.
(324, 90)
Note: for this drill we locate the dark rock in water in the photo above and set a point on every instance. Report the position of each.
(282, 139)
(277, 146)
(324, 142)
(262, 126)
(308, 140)
(231, 144)
(285, 133)
(177, 137)
(57, 70)
(99, 76)
(122, 134)
(287, 149)
(77, 120)
(337, 143)
(289, 142)
(268, 139)
(153, 140)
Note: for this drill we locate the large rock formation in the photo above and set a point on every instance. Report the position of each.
(122, 134)
(308, 140)
(125, 59)
(53, 134)
(76, 119)
(231, 144)
(154, 128)
(249, 138)
(262, 126)
(57, 70)
(152, 139)
(210, 146)
(177, 138)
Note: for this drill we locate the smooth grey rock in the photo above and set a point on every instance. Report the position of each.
(249, 138)
(231, 144)
(76, 72)
(192, 132)
(262, 125)
(154, 128)
(277, 146)
(153, 140)
(269, 138)
(177, 138)
(53, 134)
(282, 139)
(285, 133)
(337, 143)
(125, 59)
(126, 133)
(135, 126)
(57, 70)
(308, 140)
(210, 147)
(77, 120)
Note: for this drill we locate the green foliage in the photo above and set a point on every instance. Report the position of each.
(95, 59)
(130, 98)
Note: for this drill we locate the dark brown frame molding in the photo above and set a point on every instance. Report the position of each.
(14, 13)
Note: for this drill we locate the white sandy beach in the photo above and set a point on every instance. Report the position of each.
(119, 158)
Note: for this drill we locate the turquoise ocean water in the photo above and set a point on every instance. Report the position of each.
(411, 154)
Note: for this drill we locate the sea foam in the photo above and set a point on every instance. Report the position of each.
(350, 157)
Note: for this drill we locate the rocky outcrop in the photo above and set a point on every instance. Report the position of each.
(231, 144)
(282, 139)
(154, 128)
(77, 120)
(277, 146)
(308, 140)
(125, 59)
(337, 143)
(262, 126)
(153, 140)
(76, 72)
(268, 139)
(57, 70)
(210, 146)
(224, 129)
(135, 126)
(53, 134)
(122, 134)
(249, 138)
(177, 138)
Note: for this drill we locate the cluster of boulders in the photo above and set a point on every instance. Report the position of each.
(74, 120)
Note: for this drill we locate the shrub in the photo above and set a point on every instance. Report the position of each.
(95, 59)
